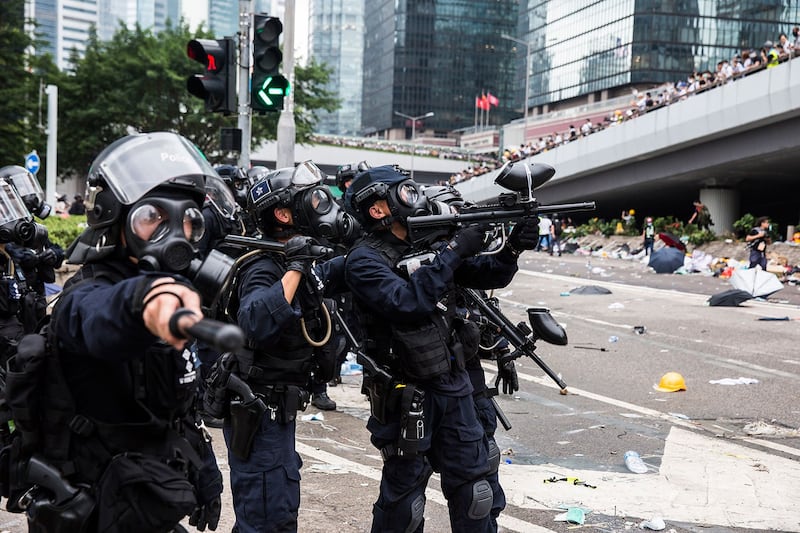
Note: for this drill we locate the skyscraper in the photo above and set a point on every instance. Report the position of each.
(436, 56)
(601, 49)
(63, 25)
(336, 38)
(223, 15)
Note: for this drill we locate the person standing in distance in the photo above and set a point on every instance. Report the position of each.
(757, 240)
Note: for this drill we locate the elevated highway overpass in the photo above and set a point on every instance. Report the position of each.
(736, 148)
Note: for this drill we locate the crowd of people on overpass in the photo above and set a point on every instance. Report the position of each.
(742, 64)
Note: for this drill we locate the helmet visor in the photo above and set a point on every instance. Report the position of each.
(220, 196)
(11, 205)
(139, 164)
(26, 184)
(307, 174)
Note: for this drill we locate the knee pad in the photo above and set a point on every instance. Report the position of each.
(417, 513)
(482, 498)
(494, 456)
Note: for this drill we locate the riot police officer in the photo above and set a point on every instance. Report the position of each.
(278, 303)
(121, 385)
(423, 419)
(346, 173)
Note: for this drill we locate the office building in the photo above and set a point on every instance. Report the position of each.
(436, 56)
(585, 52)
(223, 15)
(336, 38)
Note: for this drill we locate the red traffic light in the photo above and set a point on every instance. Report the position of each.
(209, 53)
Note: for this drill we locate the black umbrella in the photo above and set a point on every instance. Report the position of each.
(666, 260)
(729, 298)
(671, 240)
(590, 289)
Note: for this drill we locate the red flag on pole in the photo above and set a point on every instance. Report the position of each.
(492, 99)
(478, 104)
(484, 103)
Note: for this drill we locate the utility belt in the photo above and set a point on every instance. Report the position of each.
(236, 390)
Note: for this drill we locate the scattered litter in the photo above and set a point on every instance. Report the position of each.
(761, 467)
(655, 523)
(639, 330)
(634, 462)
(591, 348)
(679, 415)
(350, 368)
(566, 293)
(733, 381)
(616, 305)
(570, 480)
(507, 461)
(613, 338)
(589, 289)
(574, 515)
(763, 428)
(507, 451)
(313, 417)
(776, 318)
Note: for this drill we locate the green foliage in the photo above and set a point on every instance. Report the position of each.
(62, 231)
(137, 82)
(20, 83)
(699, 237)
(744, 224)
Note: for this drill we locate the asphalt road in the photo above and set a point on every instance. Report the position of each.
(721, 458)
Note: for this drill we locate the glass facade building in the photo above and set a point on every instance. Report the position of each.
(336, 38)
(581, 48)
(436, 56)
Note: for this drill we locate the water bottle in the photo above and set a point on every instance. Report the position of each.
(613, 338)
(635, 463)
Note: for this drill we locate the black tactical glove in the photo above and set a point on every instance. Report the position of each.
(525, 235)
(29, 260)
(300, 253)
(207, 515)
(468, 241)
(506, 374)
(47, 258)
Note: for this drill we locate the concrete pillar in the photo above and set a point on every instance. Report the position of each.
(723, 204)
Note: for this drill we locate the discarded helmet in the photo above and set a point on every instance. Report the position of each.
(671, 382)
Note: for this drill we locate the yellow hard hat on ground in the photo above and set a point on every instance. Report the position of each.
(671, 382)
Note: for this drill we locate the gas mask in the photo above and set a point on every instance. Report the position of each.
(16, 223)
(406, 200)
(318, 215)
(162, 233)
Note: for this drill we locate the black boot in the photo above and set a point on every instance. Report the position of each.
(322, 401)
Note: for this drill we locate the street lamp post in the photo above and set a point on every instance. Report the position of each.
(413, 132)
(527, 76)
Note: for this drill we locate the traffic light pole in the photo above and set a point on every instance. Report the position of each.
(286, 127)
(244, 122)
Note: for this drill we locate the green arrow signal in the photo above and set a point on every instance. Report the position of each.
(277, 86)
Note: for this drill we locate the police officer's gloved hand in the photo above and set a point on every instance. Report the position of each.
(525, 234)
(300, 253)
(207, 515)
(47, 258)
(29, 260)
(507, 380)
(468, 241)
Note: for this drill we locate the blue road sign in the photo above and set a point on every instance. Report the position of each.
(32, 162)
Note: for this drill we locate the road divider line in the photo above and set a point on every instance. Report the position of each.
(508, 522)
(547, 382)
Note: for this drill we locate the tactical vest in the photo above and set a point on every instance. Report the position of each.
(163, 444)
(412, 351)
(289, 361)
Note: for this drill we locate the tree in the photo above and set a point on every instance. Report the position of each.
(22, 76)
(137, 82)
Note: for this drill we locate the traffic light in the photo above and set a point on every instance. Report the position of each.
(267, 86)
(217, 85)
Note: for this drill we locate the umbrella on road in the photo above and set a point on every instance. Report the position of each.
(729, 298)
(671, 240)
(590, 289)
(755, 281)
(666, 260)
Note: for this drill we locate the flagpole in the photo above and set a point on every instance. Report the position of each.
(475, 123)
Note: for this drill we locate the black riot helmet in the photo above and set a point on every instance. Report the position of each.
(237, 181)
(388, 182)
(16, 223)
(347, 172)
(314, 211)
(28, 188)
(163, 170)
(445, 199)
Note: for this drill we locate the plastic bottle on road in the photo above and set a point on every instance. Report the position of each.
(635, 463)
